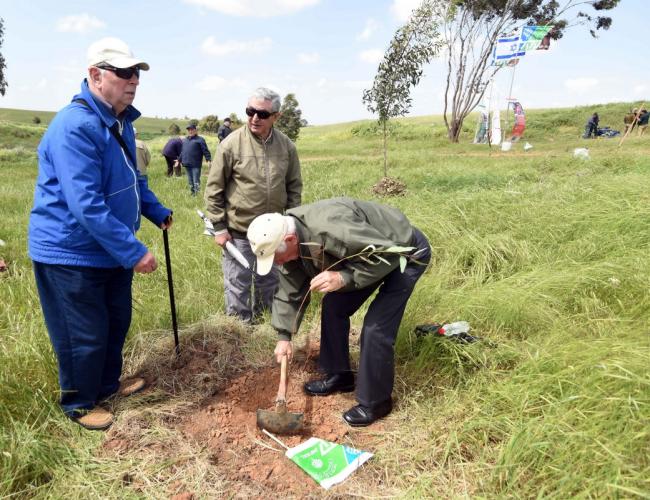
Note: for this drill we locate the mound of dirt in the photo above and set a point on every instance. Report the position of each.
(389, 186)
(223, 422)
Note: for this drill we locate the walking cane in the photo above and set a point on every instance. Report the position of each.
(170, 282)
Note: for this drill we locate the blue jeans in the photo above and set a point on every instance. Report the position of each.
(194, 179)
(87, 312)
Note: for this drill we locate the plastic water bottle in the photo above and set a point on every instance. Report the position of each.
(454, 329)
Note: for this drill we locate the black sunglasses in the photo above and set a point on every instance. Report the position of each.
(123, 73)
(262, 114)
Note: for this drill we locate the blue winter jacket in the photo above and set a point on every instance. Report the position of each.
(88, 197)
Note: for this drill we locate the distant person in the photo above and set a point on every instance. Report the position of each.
(643, 121)
(172, 154)
(255, 171)
(319, 247)
(591, 128)
(192, 153)
(142, 154)
(87, 205)
(224, 130)
(630, 121)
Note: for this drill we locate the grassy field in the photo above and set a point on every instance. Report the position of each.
(546, 255)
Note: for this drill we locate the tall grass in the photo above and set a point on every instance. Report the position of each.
(545, 255)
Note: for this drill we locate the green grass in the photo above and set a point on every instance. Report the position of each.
(545, 255)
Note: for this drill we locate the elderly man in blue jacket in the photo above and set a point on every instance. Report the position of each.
(87, 207)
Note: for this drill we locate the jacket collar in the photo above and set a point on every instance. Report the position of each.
(104, 112)
(268, 140)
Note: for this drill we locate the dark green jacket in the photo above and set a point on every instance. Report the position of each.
(250, 177)
(332, 233)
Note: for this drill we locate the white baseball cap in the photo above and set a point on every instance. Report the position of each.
(114, 52)
(265, 234)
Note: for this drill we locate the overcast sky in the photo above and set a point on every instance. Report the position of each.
(207, 56)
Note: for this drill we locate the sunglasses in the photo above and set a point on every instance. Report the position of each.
(123, 73)
(262, 114)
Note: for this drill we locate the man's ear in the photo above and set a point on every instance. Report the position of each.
(95, 75)
(291, 239)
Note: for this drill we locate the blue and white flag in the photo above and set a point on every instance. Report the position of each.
(507, 48)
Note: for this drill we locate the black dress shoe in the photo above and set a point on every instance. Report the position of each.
(337, 382)
(360, 416)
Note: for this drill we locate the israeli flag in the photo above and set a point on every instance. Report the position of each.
(507, 48)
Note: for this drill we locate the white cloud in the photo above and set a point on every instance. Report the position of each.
(402, 9)
(357, 84)
(580, 84)
(370, 28)
(32, 87)
(308, 58)
(372, 56)
(212, 47)
(82, 23)
(213, 83)
(254, 8)
(640, 89)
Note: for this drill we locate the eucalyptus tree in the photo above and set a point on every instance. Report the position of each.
(470, 29)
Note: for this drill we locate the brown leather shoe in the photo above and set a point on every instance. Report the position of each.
(96, 419)
(131, 386)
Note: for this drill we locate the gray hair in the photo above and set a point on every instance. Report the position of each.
(266, 94)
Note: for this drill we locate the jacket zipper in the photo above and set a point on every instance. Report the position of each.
(135, 178)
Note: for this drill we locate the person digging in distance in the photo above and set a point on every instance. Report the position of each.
(255, 170)
(319, 246)
(88, 202)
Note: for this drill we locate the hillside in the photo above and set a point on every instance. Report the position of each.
(545, 254)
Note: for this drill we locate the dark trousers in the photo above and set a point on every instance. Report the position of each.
(87, 313)
(376, 373)
(170, 167)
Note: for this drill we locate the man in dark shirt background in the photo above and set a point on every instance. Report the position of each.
(192, 153)
(172, 154)
(224, 130)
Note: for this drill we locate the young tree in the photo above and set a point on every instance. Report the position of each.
(471, 28)
(413, 45)
(210, 123)
(290, 121)
(3, 65)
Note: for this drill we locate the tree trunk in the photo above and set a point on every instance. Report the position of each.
(454, 129)
(385, 151)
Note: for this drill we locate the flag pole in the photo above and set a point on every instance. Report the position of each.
(512, 81)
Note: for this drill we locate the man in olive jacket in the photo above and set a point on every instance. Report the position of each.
(256, 170)
(340, 247)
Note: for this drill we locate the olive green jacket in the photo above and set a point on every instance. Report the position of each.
(250, 177)
(332, 234)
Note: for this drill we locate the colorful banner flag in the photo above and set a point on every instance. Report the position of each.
(328, 463)
(520, 121)
(532, 36)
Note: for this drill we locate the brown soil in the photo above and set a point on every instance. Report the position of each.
(224, 422)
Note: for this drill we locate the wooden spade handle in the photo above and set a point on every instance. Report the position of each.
(282, 389)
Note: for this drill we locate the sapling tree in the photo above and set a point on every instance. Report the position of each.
(412, 46)
(290, 119)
